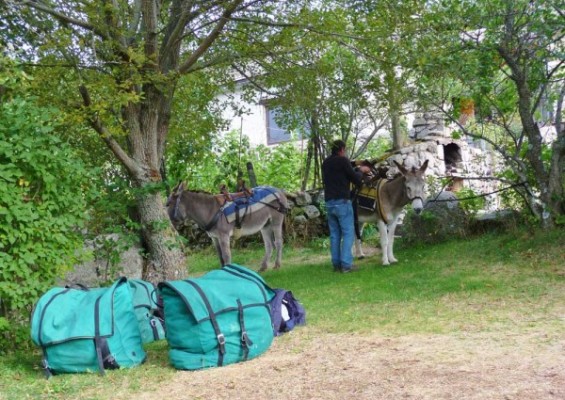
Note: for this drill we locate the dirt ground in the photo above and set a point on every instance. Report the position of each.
(307, 365)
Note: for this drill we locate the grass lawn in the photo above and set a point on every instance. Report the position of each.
(486, 284)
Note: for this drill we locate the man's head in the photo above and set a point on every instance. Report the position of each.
(337, 146)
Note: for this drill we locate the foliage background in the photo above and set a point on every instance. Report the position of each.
(44, 189)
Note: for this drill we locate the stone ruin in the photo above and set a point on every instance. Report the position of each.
(464, 160)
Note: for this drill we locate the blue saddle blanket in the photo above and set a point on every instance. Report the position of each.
(261, 195)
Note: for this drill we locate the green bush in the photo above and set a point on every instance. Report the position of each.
(470, 201)
(278, 166)
(434, 225)
(41, 212)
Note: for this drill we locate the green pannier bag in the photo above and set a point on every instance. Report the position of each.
(86, 330)
(147, 312)
(220, 318)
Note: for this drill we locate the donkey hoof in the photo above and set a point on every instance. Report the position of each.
(277, 267)
(262, 269)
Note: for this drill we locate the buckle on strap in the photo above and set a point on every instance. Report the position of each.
(245, 339)
(46, 369)
(222, 342)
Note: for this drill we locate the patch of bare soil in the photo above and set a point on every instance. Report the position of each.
(307, 365)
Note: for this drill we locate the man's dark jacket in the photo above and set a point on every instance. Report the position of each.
(337, 174)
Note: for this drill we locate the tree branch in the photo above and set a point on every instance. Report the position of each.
(106, 136)
(62, 17)
(545, 84)
(211, 38)
(559, 128)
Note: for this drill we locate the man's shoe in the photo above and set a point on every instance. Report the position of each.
(337, 268)
(351, 268)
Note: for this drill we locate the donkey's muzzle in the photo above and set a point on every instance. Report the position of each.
(417, 205)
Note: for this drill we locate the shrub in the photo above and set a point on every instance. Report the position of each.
(41, 212)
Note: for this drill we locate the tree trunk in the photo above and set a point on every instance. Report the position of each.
(394, 109)
(549, 180)
(398, 140)
(556, 179)
(251, 175)
(309, 155)
(167, 260)
(148, 125)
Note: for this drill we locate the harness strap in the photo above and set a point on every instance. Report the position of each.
(219, 335)
(281, 208)
(214, 220)
(177, 203)
(238, 219)
(380, 184)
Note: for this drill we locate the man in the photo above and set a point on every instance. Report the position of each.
(338, 174)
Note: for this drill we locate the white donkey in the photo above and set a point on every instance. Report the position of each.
(392, 196)
(207, 210)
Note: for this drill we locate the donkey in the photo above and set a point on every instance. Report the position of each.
(392, 196)
(208, 213)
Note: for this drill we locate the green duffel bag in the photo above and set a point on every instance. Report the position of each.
(220, 318)
(147, 312)
(86, 330)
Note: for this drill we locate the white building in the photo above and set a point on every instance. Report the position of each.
(253, 119)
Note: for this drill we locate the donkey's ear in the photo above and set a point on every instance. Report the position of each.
(403, 170)
(424, 166)
(180, 187)
(174, 190)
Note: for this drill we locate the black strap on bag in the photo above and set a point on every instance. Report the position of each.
(153, 321)
(97, 338)
(219, 335)
(45, 365)
(103, 354)
(79, 286)
(246, 343)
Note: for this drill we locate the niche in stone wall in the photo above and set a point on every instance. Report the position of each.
(452, 158)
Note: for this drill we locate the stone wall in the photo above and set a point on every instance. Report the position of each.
(430, 140)
(112, 256)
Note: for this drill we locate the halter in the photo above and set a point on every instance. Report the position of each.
(209, 225)
(177, 202)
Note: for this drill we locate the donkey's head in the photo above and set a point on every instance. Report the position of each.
(173, 205)
(414, 185)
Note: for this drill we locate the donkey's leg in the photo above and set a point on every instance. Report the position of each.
(390, 246)
(224, 241)
(218, 250)
(278, 234)
(358, 249)
(383, 232)
(267, 234)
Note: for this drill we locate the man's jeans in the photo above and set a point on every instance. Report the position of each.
(342, 232)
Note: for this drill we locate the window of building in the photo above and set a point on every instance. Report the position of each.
(275, 134)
